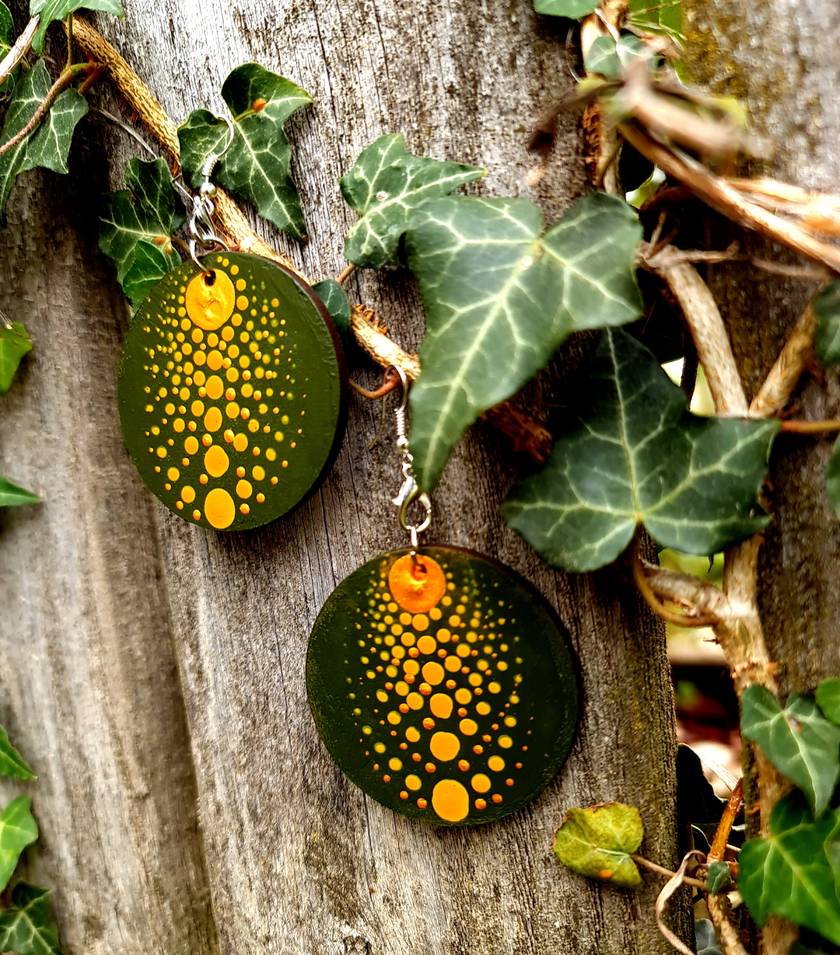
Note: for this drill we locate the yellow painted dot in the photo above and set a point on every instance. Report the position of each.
(414, 700)
(505, 742)
(173, 474)
(258, 473)
(178, 425)
(241, 302)
(420, 622)
(394, 718)
(441, 705)
(444, 746)
(494, 687)
(496, 763)
(427, 644)
(480, 783)
(379, 747)
(463, 696)
(219, 508)
(191, 445)
(433, 672)
(483, 709)
(450, 800)
(215, 387)
(468, 727)
(240, 442)
(396, 764)
(244, 489)
(214, 360)
(187, 494)
(161, 452)
(216, 461)
(213, 419)
(412, 734)
(413, 782)
(452, 664)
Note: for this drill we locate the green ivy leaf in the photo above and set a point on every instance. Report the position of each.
(148, 209)
(49, 145)
(7, 29)
(11, 495)
(18, 830)
(149, 264)
(798, 740)
(500, 295)
(386, 185)
(638, 456)
(609, 58)
(598, 841)
(14, 344)
(256, 165)
(828, 699)
(51, 10)
(795, 871)
(12, 764)
(28, 94)
(573, 9)
(336, 303)
(826, 306)
(27, 926)
(718, 878)
(656, 16)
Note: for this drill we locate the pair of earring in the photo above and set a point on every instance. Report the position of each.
(440, 681)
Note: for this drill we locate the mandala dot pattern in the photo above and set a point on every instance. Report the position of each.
(443, 685)
(230, 391)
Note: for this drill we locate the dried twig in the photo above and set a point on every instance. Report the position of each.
(677, 880)
(19, 50)
(779, 385)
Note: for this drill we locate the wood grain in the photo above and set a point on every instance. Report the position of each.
(154, 672)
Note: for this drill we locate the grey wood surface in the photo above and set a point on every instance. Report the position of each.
(782, 59)
(153, 672)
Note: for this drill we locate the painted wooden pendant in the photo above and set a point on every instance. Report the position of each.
(443, 685)
(230, 391)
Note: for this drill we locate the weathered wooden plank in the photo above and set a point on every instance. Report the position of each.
(295, 859)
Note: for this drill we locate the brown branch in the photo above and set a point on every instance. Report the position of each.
(779, 385)
(717, 852)
(345, 273)
(652, 600)
(811, 427)
(729, 201)
(702, 599)
(65, 78)
(667, 873)
(19, 50)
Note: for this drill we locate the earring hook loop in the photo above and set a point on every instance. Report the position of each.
(410, 492)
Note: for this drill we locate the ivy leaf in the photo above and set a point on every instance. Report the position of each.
(148, 209)
(385, 186)
(149, 264)
(795, 871)
(609, 58)
(336, 303)
(18, 830)
(826, 306)
(256, 165)
(638, 456)
(11, 495)
(798, 740)
(828, 699)
(718, 878)
(28, 95)
(500, 295)
(27, 926)
(598, 841)
(49, 146)
(7, 29)
(14, 344)
(656, 16)
(52, 10)
(705, 939)
(573, 9)
(12, 764)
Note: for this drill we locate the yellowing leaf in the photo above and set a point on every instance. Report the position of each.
(598, 842)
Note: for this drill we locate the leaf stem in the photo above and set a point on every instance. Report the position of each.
(345, 273)
(64, 80)
(811, 427)
(727, 820)
(667, 873)
(656, 605)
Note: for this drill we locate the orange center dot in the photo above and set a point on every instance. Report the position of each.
(417, 584)
(209, 299)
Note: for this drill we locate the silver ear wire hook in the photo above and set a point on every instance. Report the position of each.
(200, 207)
(409, 492)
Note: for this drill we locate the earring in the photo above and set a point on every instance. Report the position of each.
(440, 681)
(230, 387)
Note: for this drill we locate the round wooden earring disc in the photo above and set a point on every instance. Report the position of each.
(446, 689)
(230, 391)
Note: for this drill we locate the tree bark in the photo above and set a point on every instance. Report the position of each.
(781, 60)
(153, 672)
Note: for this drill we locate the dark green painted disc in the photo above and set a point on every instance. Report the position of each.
(231, 391)
(446, 691)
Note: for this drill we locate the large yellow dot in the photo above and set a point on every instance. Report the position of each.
(219, 508)
(441, 705)
(433, 672)
(213, 419)
(496, 763)
(209, 299)
(215, 387)
(480, 783)
(444, 746)
(417, 583)
(191, 445)
(413, 782)
(216, 461)
(450, 800)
